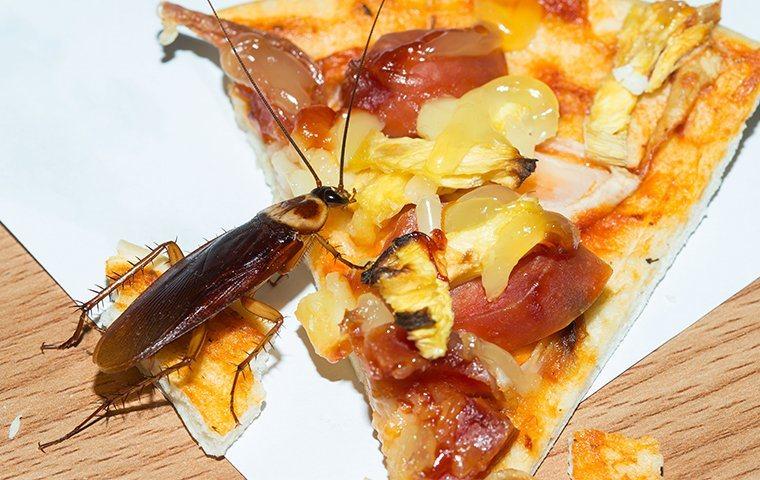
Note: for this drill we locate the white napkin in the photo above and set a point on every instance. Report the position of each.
(100, 140)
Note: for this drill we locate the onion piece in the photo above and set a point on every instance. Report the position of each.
(428, 213)
(362, 125)
(477, 206)
(422, 192)
(373, 312)
(534, 362)
(499, 363)
(497, 192)
(471, 213)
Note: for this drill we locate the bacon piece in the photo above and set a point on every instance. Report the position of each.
(405, 222)
(470, 430)
(404, 69)
(546, 292)
(453, 398)
(388, 353)
(289, 79)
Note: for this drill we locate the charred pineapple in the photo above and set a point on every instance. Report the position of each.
(411, 278)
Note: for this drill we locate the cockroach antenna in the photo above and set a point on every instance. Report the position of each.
(264, 99)
(353, 94)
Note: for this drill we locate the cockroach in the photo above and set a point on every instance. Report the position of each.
(198, 286)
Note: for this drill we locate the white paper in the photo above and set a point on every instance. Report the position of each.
(100, 140)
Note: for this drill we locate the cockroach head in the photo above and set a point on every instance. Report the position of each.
(332, 196)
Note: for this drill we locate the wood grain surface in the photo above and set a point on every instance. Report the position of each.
(698, 395)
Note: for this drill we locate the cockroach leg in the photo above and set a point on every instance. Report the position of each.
(175, 255)
(104, 410)
(338, 256)
(266, 312)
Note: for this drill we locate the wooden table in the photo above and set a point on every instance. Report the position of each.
(698, 395)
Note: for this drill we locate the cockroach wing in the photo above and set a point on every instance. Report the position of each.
(195, 289)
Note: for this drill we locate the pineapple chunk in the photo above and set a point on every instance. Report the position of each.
(411, 279)
(321, 314)
(491, 243)
(495, 162)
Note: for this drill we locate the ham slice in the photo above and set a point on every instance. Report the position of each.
(404, 69)
(546, 291)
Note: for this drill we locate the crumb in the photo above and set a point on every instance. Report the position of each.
(14, 428)
(597, 455)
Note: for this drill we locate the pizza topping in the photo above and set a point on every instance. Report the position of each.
(411, 278)
(373, 312)
(546, 292)
(405, 69)
(362, 125)
(516, 110)
(485, 162)
(289, 79)
(500, 364)
(487, 238)
(313, 126)
(688, 82)
(580, 191)
(428, 209)
(452, 152)
(382, 168)
(652, 44)
(471, 431)
(516, 20)
(321, 314)
(443, 414)
(387, 352)
(286, 76)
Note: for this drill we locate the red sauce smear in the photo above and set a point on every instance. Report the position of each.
(405, 69)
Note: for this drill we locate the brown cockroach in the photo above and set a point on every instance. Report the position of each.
(198, 286)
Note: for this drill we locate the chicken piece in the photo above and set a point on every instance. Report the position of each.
(580, 191)
(652, 44)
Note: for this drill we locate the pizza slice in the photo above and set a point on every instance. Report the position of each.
(525, 173)
(196, 392)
